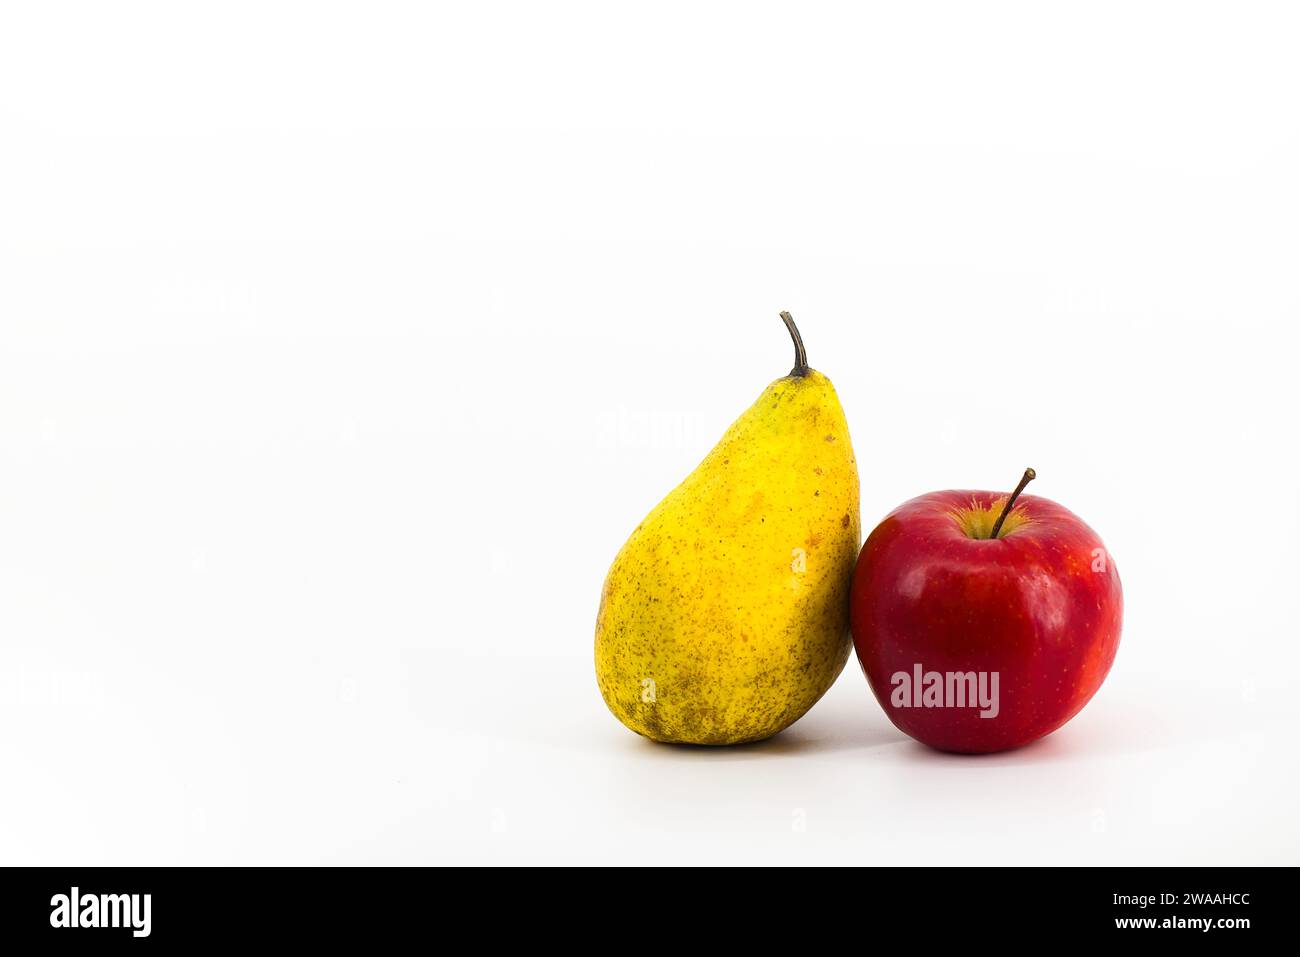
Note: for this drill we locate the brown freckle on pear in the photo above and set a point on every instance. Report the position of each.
(844, 522)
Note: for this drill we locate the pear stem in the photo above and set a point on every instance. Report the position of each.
(1025, 479)
(800, 357)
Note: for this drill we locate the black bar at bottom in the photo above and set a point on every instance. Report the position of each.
(642, 908)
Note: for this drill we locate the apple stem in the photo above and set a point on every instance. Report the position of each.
(1025, 479)
(800, 357)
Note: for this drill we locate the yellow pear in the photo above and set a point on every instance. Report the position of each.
(725, 616)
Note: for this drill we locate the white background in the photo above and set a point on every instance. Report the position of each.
(341, 346)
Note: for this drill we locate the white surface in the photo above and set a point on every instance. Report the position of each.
(342, 346)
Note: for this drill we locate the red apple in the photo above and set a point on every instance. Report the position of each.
(984, 621)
